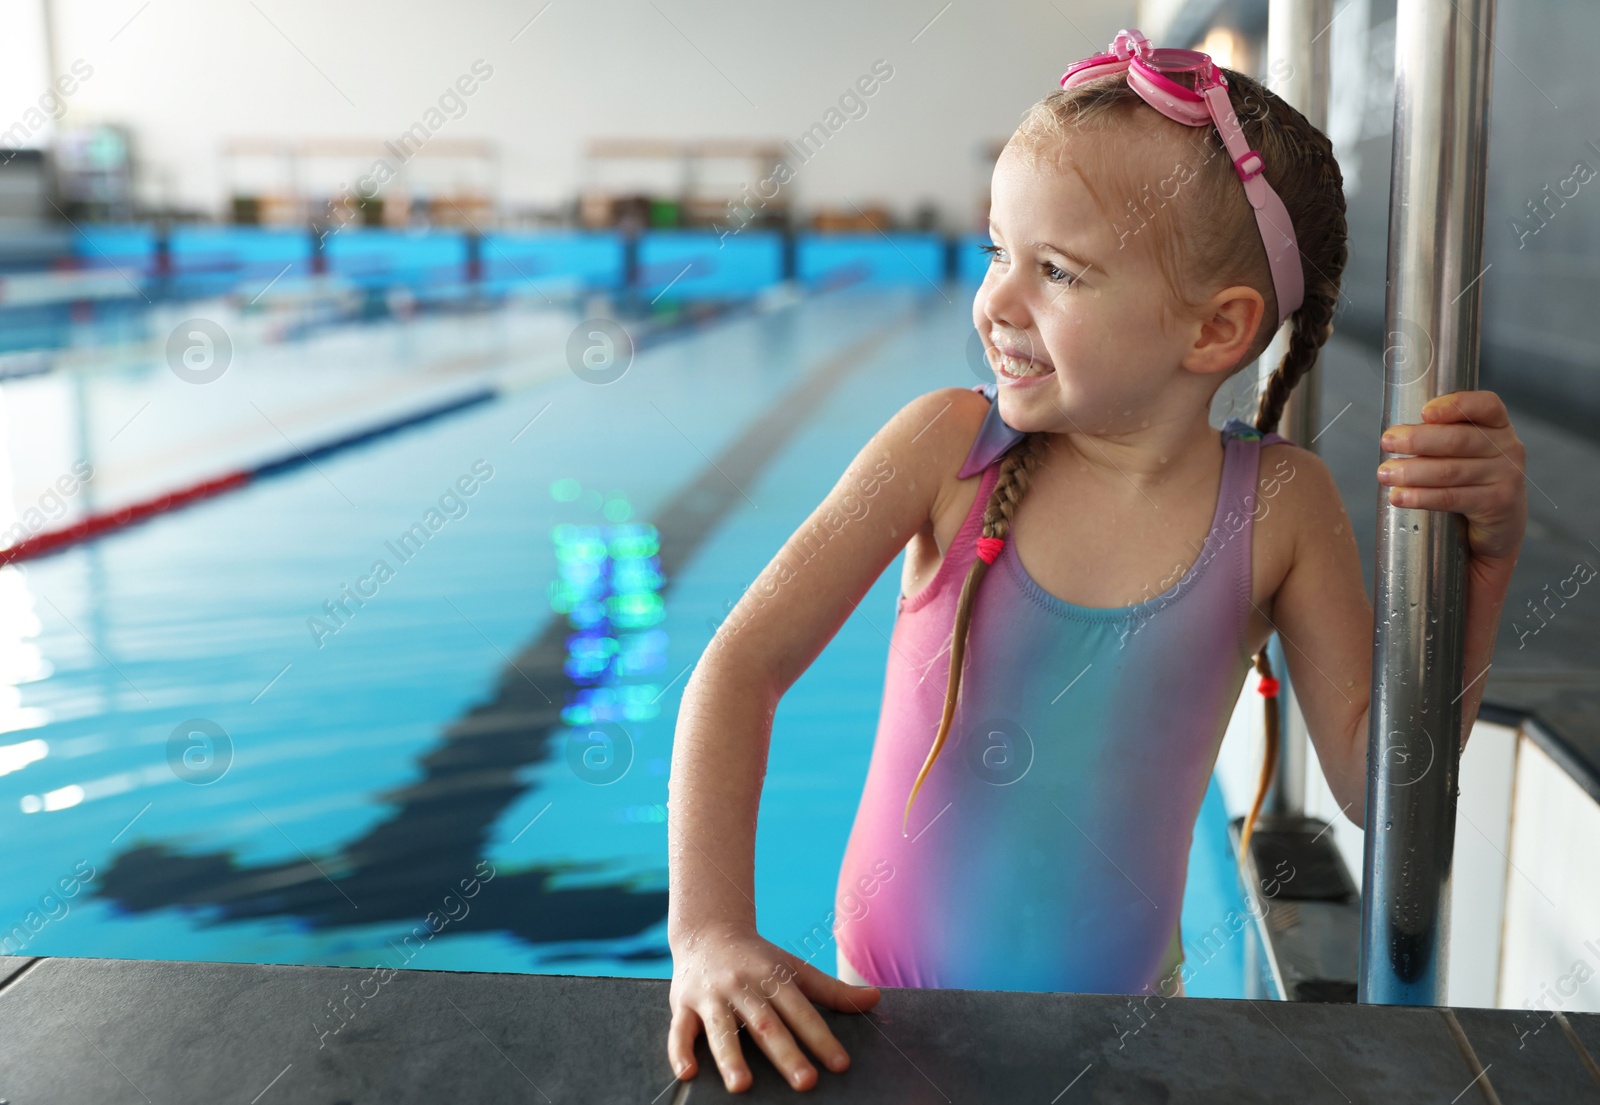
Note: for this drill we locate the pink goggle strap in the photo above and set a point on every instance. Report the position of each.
(1277, 230)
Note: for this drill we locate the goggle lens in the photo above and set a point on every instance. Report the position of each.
(1170, 61)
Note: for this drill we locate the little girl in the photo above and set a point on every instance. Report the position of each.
(1089, 569)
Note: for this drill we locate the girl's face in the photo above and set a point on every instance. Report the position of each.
(1070, 308)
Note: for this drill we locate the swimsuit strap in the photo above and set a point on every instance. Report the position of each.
(994, 439)
(1244, 431)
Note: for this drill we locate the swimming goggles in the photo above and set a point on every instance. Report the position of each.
(1150, 73)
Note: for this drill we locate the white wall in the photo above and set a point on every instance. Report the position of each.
(1551, 959)
(186, 74)
(26, 107)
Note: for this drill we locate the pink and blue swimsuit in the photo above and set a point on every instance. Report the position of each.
(1048, 847)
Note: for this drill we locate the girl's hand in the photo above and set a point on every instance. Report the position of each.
(1466, 458)
(727, 975)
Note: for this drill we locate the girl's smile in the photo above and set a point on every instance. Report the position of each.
(1014, 367)
(1020, 371)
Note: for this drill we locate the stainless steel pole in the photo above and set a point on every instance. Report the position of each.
(1436, 192)
(1297, 70)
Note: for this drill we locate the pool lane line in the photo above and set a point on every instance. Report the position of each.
(99, 524)
(103, 522)
(442, 823)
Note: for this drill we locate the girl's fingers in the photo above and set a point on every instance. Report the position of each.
(727, 1000)
(809, 1025)
(722, 1033)
(680, 1041)
(1460, 424)
(1483, 407)
(768, 1030)
(1474, 500)
(1453, 439)
(835, 993)
(1440, 471)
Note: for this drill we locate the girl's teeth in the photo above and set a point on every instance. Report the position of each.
(1022, 368)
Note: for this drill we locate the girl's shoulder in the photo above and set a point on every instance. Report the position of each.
(1299, 524)
(976, 429)
(1282, 463)
(942, 427)
(1298, 505)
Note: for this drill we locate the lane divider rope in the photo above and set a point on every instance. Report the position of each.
(100, 523)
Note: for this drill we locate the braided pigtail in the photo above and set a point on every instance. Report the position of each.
(1311, 326)
(1010, 486)
(1269, 762)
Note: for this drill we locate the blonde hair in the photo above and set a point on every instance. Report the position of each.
(1207, 239)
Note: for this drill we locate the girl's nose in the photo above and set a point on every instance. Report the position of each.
(1004, 306)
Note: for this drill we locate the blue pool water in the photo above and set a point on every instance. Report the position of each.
(360, 764)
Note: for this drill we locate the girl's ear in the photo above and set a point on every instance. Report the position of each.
(1227, 329)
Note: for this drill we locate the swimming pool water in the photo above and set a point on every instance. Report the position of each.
(266, 748)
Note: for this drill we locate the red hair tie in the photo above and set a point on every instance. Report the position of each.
(1268, 687)
(989, 548)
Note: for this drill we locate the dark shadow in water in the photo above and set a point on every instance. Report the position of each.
(402, 868)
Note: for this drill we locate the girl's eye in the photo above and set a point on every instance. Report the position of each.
(1054, 274)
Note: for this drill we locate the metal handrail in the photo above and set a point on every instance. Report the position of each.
(1436, 201)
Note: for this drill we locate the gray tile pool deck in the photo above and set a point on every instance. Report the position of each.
(98, 1030)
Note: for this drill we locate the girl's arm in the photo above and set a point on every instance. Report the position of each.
(1464, 457)
(1324, 619)
(777, 628)
(722, 970)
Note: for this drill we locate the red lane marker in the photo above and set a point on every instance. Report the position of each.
(96, 524)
